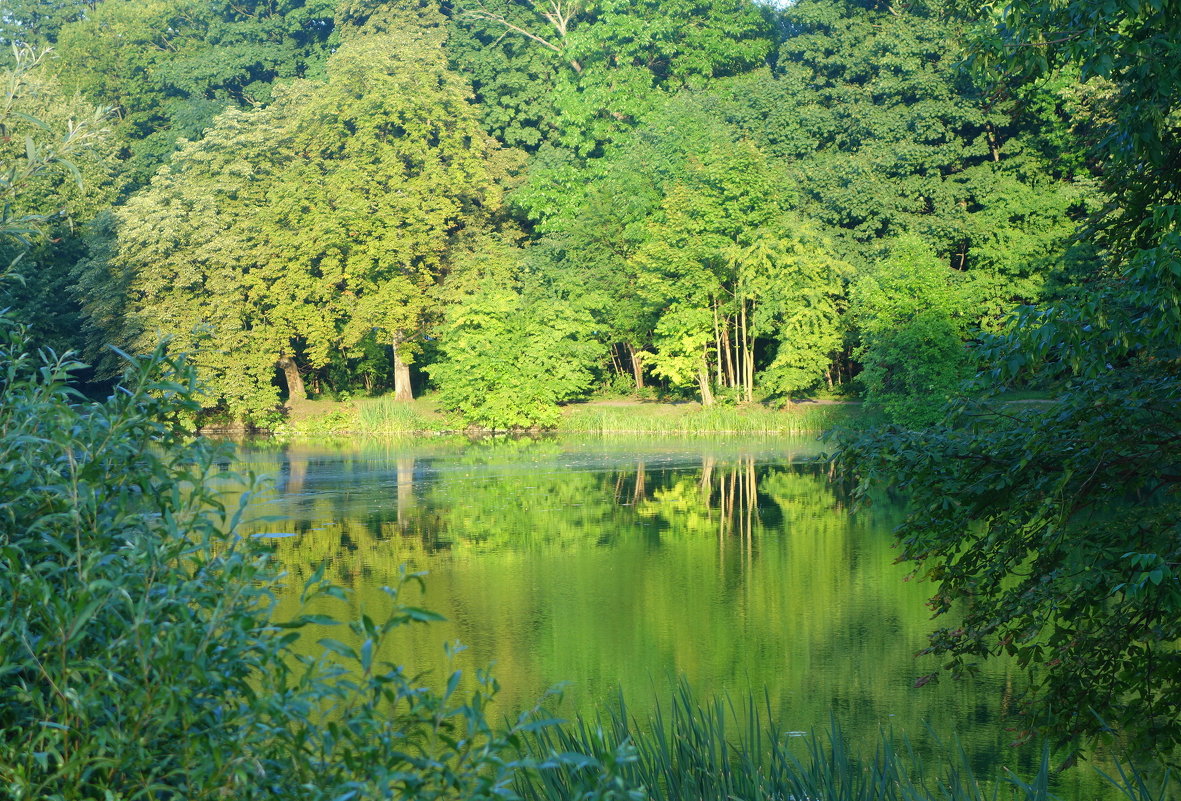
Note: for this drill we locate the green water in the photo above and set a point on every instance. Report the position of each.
(629, 565)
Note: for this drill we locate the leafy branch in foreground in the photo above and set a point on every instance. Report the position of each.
(29, 146)
(1052, 534)
(1055, 532)
(138, 654)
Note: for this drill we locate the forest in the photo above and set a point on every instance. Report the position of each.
(518, 204)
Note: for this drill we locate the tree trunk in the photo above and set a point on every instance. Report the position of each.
(994, 148)
(295, 387)
(748, 359)
(637, 365)
(718, 345)
(707, 395)
(727, 352)
(402, 390)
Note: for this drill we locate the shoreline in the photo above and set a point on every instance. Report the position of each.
(385, 417)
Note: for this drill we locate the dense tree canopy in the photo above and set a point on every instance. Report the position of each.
(711, 190)
(169, 67)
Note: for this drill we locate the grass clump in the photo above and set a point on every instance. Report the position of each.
(375, 416)
(388, 416)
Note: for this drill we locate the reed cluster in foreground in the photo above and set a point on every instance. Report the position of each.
(690, 751)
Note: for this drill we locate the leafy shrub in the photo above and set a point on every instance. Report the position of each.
(508, 362)
(912, 311)
(138, 657)
(912, 370)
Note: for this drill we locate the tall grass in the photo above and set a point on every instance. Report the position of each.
(695, 752)
(693, 419)
(388, 416)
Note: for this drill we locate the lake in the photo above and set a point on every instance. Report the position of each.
(623, 565)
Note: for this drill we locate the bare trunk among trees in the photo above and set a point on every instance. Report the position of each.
(637, 361)
(707, 394)
(748, 356)
(557, 13)
(402, 389)
(295, 387)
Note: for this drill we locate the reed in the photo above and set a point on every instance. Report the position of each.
(715, 752)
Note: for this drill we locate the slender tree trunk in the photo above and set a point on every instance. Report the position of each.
(748, 358)
(402, 389)
(994, 148)
(724, 353)
(640, 493)
(615, 359)
(637, 365)
(295, 387)
(732, 364)
(718, 345)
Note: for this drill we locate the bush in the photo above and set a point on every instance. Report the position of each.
(138, 656)
(912, 370)
(507, 362)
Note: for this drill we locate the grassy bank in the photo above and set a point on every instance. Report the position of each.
(386, 417)
(692, 418)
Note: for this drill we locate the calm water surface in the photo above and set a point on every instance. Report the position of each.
(628, 565)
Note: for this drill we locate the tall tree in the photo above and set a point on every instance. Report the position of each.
(886, 134)
(306, 228)
(731, 269)
(35, 24)
(60, 174)
(1054, 532)
(510, 349)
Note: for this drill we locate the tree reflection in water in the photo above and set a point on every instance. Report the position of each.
(627, 564)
